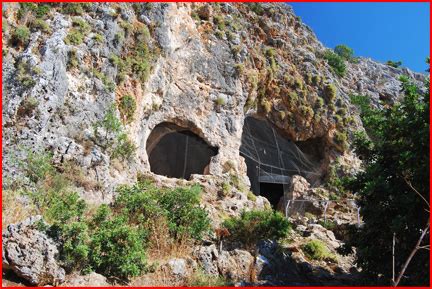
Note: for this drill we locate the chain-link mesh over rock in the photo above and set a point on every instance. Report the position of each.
(272, 159)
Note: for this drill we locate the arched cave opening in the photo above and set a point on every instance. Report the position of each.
(272, 159)
(177, 152)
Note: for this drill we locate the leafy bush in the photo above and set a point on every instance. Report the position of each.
(38, 166)
(75, 37)
(73, 59)
(317, 250)
(110, 124)
(253, 226)
(330, 93)
(124, 147)
(21, 35)
(39, 24)
(306, 111)
(27, 107)
(266, 105)
(185, 216)
(341, 138)
(81, 25)
(180, 206)
(220, 101)
(75, 8)
(344, 51)
(127, 107)
(394, 64)
(336, 62)
(117, 248)
(98, 38)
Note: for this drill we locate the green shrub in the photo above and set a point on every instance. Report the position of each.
(319, 102)
(341, 138)
(226, 189)
(328, 224)
(127, 107)
(317, 250)
(239, 68)
(316, 79)
(266, 105)
(306, 111)
(344, 51)
(188, 218)
(251, 196)
(81, 25)
(394, 64)
(39, 10)
(75, 250)
(75, 8)
(336, 62)
(117, 248)
(27, 107)
(64, 207)
(292, 98)
(124, 148)
(200, 279)
(38, 166)
(24, 74)
(257, 8)
(253, 226)
(74, 37)
(73, 59)
(21, 35)
(180, 206)
(220, 101)
(219, 34)
(98, 38)
(39, 24)
(110, 124)
(330, 93)
(219, 21)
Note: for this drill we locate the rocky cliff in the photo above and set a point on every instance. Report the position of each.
(199, 67)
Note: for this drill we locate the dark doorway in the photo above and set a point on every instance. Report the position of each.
(177, 152)
(272, 192)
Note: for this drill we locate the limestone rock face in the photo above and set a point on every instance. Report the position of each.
(31, 254)
(203, 76)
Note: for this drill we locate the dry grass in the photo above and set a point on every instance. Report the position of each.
(13, 209)
(75, 174)
(163, 247)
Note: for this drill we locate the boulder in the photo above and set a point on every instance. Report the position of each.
(235, 265)
(90, 280)
(31, 254)
(207, 257)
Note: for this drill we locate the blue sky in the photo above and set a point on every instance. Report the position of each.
(382, 31)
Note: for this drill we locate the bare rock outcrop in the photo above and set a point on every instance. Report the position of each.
(31, 254)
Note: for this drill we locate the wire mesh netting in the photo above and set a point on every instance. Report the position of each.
(271, 158)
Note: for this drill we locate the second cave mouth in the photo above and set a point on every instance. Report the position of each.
(272, 159)
(177, 152)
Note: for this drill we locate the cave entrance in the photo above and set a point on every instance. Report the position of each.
(272, 159)
(273, 192)
(177, 152)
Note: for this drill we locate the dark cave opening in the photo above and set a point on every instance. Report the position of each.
(272, 158)
(272, 192)
(177, 152)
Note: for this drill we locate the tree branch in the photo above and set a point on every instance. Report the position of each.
(416, 248)
(417, 192)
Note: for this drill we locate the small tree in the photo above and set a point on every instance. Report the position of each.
(394, 186)
(344, 51)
